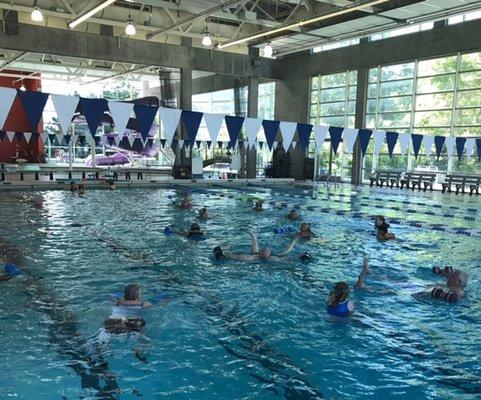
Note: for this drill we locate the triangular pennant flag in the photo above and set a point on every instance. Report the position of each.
(253, 126)
(191, 122)
(110, 140)
(391, 139)
(7, 97)
(304, 133)
(478, 148)
(404, 139)
(93, 111)
(52, 139)
(213, 123)
(97, 140)
(234, 126)
(145, 118)
(174, 144)
(65, 107)
(150, 143)
(336, 134)
(18, 136)
(170, 118)
(460, 143)
(33, 104)
(379, 137)
(27, 136)
(2, 136)
(275, 145)
(470, 147)
(438, 144)
(270, 131)
(450, 143)
(209, 143)
(417, 140)
(293, 144)
(320, 133)
(428, 142)
(349, 135)
(163, 142)
(288, 130)
(364, 137)
(197, 142)
(120, 113)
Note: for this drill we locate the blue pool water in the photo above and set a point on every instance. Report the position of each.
(235, 330)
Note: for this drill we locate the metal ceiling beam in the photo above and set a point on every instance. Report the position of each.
(14, 59)
(120, 74)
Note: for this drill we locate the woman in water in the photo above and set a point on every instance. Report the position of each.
(127, 314)
(305, 231)
(203, 214)
(293, 215)
(195, 232)
(453, 290)
(382, 229)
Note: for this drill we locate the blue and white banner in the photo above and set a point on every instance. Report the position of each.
(450, 143)
(65, 107)
(33, 104)
(304, 133)
(234, 126)
(379, 137)
(270, 131)
(320, 133)
(404, 139)
(391, 139)
(438, 144)
(93, 111)
(170, 118)
(120, 112)
(7, 97)
(288, 130)
(428, 141)
(470, 143)
(417, 140)
(253, 126)
(364, 137)
(213, 123)
(349, 136)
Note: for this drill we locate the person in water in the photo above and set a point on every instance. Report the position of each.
(258, 205)
(293, 215)
(338, 304)
(195, 232)
(186, 203)
(260, 254)
(81, 190)
(112, 185)
(73, 187)
(453, 290)
(382, 229)
(305, 231)
(203, 214)
(127, 314)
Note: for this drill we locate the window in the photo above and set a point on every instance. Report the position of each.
(335, 45)
(403, 31)
(464, 17)
(267, 97)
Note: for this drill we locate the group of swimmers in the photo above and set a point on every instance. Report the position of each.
(79, 188)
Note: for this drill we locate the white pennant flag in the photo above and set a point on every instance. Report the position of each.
(274, 145)
(320, 133)
(288, 129)
(120, 113)
(379, 137)
(469, 146)
(170, 118)
(213, 123)
(253, 126)
(349, 135)
(428, 141)
(450, 142)
(65, 107)
(10, 136)
(27, 136)
(404, 139)
(7, 97)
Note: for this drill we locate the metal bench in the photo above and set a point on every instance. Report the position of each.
(423, 180)
(391, 178)
(460, 182)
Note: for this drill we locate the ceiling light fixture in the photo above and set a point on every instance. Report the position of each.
(130, 27)
(206, 40)
(36, 14)
(305, 22)
(88, 14)
(268, 50)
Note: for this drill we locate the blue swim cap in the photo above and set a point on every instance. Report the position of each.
(12, 270)
(169, 231)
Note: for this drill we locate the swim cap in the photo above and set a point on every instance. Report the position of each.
(169, 231)
(305, 257)
(218, 253)
(12, 270)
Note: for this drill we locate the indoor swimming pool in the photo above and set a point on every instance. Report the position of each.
(231, 329)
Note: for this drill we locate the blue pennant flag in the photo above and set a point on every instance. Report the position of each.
(174, 144)
(124, 143)
(163, 142)
(145, 118)
(460, 143)
(234, 126)
(93, 111)
(438, 144)
(33, 103)
(197, 142)
(209, 143)
(111, 140)
(2, 135)
(391, 139)
(270, 130)
(478, 148)
(364, 137)
(137, 145)
(52, 138)
(417, 139)
(97, 140)
(191, 122)
(336, 134)
(67, 138)
(150, 142)
(304, 133)
(18, 136)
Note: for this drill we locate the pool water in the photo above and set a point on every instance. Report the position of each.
(233, 330)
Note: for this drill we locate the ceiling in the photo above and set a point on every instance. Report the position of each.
(171, 21)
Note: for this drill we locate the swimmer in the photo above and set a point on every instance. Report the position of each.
(339, 304)
(203, 214)
(81, 190)
(258, 205)
(73, 187)
(453, 290)
(186, 204)
(112, 185)
(305, 231)
(293, 215)
(127, 313)
(260, 254)
(195, 232)
(382, 226)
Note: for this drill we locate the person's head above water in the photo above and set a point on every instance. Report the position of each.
(73, 186)
(258, 205)
(195, 227)
(203, 212)
(293, 215)
(458, 279)
(379, 220)
(132, 292)
(305, 227)
(339, 294)
(265, 253)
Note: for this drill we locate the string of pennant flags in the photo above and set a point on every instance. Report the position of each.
(93, 110)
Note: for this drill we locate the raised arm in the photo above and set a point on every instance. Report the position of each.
(255, 243)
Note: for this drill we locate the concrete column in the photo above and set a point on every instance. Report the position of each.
(185, 103)
(359, 123)
(292, 104)
(252, 108)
